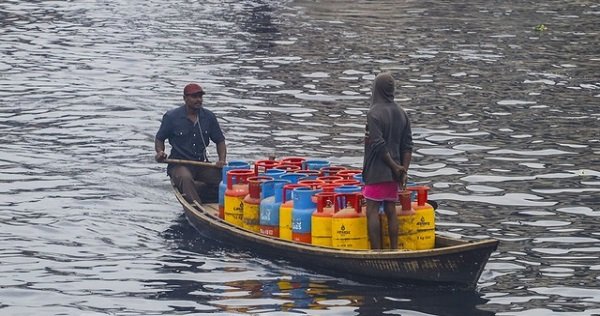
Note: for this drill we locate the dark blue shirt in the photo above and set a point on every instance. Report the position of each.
(188, 140)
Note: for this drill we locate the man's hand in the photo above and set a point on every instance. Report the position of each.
(160, 156)
(220, 163)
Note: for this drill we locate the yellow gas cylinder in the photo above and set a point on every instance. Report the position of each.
(321, 219)
(407, 229)
(251, 203)
(237, 189)
(349, 223)
(424, 219)
(285, 211)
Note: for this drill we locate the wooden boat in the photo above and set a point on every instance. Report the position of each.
(453, 262)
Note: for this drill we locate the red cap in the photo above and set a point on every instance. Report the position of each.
(192, 88)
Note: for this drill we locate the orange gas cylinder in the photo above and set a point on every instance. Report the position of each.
(296, 161)
(332, 170)
(349, 223)
(348, 173)
(237, 189)
(251, 203)
(329, 179)
(321, 219)
(260, 166)
(425, 219)
(285, 211)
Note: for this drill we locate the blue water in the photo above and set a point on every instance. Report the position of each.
(504, 117)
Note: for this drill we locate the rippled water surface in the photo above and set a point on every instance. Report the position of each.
(505, 119)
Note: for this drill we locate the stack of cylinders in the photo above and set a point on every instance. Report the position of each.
(349, 223)
(302, 211)
(234, 164)
(237, 189)
(251, 203)
(272, 197)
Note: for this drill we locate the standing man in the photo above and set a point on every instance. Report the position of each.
(388, 151)
(189, 129)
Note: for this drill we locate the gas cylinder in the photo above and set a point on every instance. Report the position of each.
(302, 211)
(407, 230)
(349, 223)
(292, 177)
(332, 170)
(270, 202)
(359, 177)
(315, 184)
(297, 161)
(287, 167)
(251, 208)
(285, 211)
(310, 174)
(329, 187)
(234, 164)
(260, 166)
(350, 181)
(329, 179)
(348, 173)
(315, 164)
(321, 219)
(425, 218)
(237, 189)
(347, 189)
(273, 172)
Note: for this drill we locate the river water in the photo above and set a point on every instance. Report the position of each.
(505, 121)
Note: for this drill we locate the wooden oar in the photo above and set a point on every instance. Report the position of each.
(191, 162)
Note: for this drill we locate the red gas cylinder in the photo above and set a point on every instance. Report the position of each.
(332, 170)
(329, 179)
(313, 184)
(296, 161)
(347, 182)
(260, 166)
(237, 189)
(251, 208)
(348, 173)
(329, 187)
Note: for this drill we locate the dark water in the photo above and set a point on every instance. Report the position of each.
(505, 120)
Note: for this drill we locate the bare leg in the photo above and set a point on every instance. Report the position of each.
(374, 226)
(390, 211)
(183, 179)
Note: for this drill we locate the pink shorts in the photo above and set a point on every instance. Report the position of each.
(385, 191)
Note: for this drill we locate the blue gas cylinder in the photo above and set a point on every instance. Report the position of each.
(316, 164)
(347, 189)
(271, 199)
(304, 206)
(234, 164)
(293, 177)
(274, 173)
(359, 177)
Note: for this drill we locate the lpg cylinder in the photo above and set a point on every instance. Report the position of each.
(260, 166)
(347, 188)
(288, 168)
(347, 182)
(237, 189)
(321, 219)
(285, 211)
(310, 174)
(302, 211)
(292, 177)
(234, 164)
(329, 179)
(251, 207)
(297, 161)
(407, 229)
(359, 177)
(315, 164)
(425, 219)
(273, 172)
(272, 192)
(332, 170)
(349, 223)
(348, 173)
